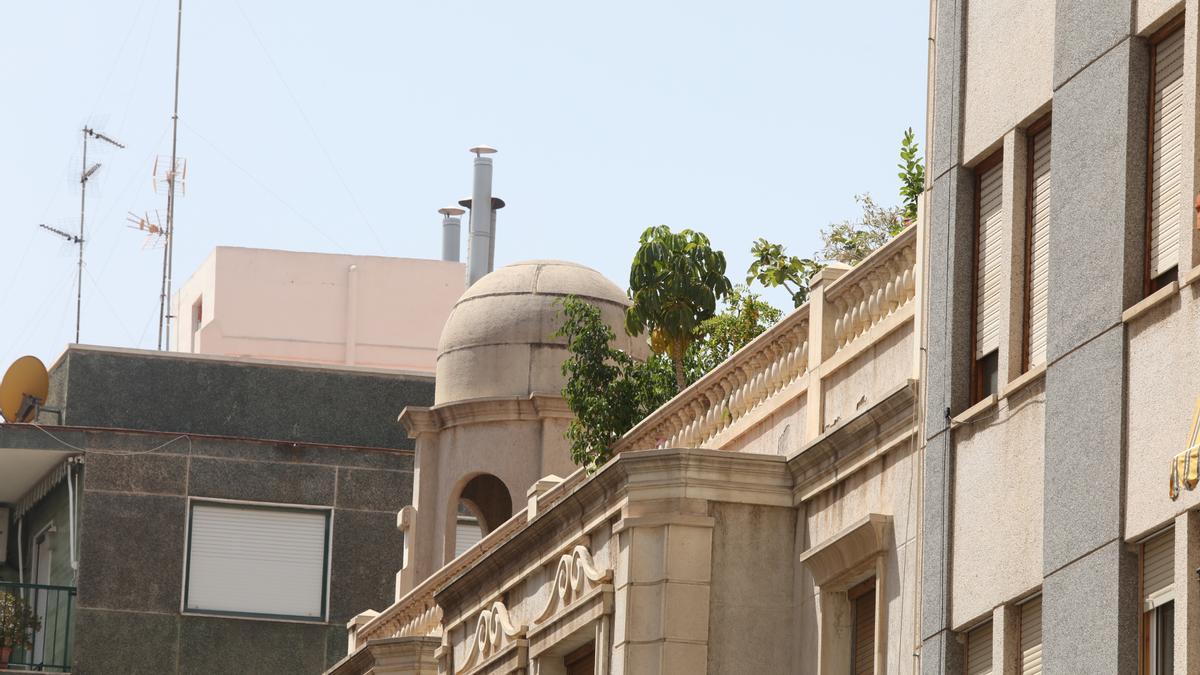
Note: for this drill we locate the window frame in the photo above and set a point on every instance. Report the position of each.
(1034, 130)
(996, 159)
(1149, 284)
(326, 569)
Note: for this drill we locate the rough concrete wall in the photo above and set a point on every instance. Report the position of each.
(132, 551)
(999, 474)
(1150, 13)
(1010, 58)
(1163, 372)
(203, 396)
(750, 614)
(864, 381)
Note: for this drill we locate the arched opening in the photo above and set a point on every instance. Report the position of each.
(482, 505)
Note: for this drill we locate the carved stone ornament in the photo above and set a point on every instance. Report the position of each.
(576, 575)
(493, 632)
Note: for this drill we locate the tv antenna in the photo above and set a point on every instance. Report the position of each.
(172, 176)
(150, 225)
(85, 174)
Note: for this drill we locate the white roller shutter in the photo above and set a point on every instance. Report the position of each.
(988, 272)
(1031, 637)
(257, 560)
(1039, 248)
(466, 534)
(1158, 570)
(1166, 159)
(979, 650)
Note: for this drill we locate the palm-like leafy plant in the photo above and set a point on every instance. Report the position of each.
(674, 283)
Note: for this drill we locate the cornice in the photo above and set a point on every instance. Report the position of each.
(423, 420)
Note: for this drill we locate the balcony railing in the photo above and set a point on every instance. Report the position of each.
(54, 606)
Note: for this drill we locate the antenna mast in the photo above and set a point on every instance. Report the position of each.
(85, 174)
(164, 307)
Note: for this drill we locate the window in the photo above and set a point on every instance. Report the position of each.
(1165, 208)
(1158, 606)
(467, 533)
(979, 650)
(582, 661)
(1031, 637)
(256, 560)
(1037, 243)
(862, 639)
(989, 277)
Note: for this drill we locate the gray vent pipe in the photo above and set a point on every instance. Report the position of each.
(451, 231)
(481, 243)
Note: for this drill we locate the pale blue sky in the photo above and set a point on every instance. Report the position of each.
(345, 126)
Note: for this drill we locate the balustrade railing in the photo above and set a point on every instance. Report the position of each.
(859, 300)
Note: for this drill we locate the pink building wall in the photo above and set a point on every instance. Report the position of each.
(317, 307)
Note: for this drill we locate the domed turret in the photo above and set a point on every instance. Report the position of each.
(499, 339)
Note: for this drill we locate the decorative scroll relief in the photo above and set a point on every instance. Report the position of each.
(494, 631)
(576, 575)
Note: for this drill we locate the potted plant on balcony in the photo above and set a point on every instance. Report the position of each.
(18, 623)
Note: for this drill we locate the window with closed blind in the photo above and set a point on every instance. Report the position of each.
(1031, 637)
(862, 639)
(1037, 244)
(1165, 199)
(254, 560)
(988, 276)
(1158, 606)
(979, 650)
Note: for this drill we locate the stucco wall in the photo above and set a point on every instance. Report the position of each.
(1010, 63)
(862, 382)
(997, 501)
(1164, 382)
(291, 305)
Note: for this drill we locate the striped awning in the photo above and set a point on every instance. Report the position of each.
(40, 489)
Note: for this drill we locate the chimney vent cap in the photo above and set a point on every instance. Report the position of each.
(481, 150)
(497, 203)
(451, 211)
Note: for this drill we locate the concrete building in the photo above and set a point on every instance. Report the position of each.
(325, 308)
(1062, 323)
(200, 514)
(762, 521)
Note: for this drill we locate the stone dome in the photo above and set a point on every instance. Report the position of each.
(498, 340)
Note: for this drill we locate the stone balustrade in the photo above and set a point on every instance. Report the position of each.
(872, 291)
(857, 303)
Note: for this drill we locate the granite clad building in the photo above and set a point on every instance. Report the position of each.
(1062, 323)
(163, 465)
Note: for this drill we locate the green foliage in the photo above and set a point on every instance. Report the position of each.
(912, 175)
(745, 317)
(608, 390)
(772, 267)
(852, 240)
(675, 282)
(848, 241)
(18, 622)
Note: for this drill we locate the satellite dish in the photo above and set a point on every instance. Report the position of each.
(23, 389)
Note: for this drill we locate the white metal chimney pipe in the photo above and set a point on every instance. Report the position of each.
(479, 244)
(451, 231)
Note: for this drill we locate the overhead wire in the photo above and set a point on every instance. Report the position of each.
(311, 129)
(263, 185)
(118, 453)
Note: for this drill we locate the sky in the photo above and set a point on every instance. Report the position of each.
(343, 127)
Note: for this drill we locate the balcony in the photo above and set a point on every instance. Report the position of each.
(54, 606)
